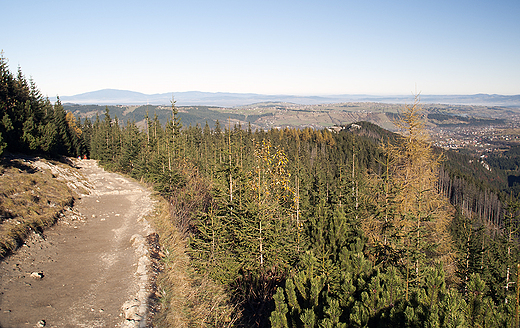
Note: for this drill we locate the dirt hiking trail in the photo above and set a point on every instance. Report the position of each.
(91, 269)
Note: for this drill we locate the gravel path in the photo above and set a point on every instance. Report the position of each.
(91, 268)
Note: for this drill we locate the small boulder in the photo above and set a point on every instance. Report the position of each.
(131, 310)
(37, 275)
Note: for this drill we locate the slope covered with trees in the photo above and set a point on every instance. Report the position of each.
(303, 227)
(308, 228)
(29, 123)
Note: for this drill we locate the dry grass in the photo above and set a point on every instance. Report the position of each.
(187, 298)
(30, 200)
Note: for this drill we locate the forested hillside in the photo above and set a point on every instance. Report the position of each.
(308, 228)
(30, 123)
(304, 227)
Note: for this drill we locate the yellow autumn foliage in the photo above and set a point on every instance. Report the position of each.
(411, 216)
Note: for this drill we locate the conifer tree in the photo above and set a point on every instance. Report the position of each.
(131, 146)
(171, 142)
(30, 133)
(64, 145)
(415, 216)
(511, 225)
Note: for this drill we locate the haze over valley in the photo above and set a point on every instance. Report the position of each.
(228, 99)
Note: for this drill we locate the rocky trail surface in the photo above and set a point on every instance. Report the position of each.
(91, 269)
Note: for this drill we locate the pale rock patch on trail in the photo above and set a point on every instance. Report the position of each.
(94, 262)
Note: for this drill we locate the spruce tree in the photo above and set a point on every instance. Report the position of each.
(64, 144)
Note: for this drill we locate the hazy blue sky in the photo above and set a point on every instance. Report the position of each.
(271, 47)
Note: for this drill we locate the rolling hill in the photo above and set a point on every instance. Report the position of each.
(226, 99)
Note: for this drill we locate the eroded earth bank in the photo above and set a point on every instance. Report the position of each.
(91, 269)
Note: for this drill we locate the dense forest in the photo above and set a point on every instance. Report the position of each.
(29, 123)
(303, 227)
(189, 115)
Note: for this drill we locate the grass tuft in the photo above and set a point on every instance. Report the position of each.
(187, 299)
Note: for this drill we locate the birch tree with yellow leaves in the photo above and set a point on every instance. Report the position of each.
(272, 201)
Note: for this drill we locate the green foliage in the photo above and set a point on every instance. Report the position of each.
(29, 123)
(308, 228)
(303, 227)
(278, 317)
(3, 144)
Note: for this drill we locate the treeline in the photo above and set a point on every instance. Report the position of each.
(509, 161)
(190, 115)
(466, 120)
(482, 203)
(29, 123)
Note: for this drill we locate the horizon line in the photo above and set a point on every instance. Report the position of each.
(295, 94)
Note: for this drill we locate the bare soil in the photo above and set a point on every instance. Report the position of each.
(88, 270)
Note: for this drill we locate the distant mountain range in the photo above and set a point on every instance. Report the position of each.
(225, 99)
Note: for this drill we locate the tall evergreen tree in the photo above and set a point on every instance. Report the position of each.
(64, 144)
